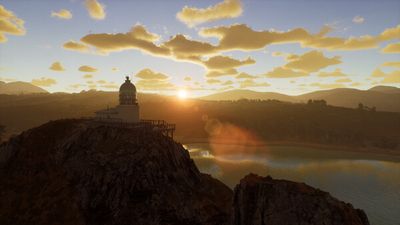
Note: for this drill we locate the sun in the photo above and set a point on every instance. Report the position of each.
(182, 94)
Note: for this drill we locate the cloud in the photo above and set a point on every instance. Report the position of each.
(311, 61)
(88, 76)
(140, 32)
(303, 65)
(336, 73)
(213, 81)
(10, 24)
(44, 82)
(95, 9)
(114, 69)
(393, 77)
(227, 83)
(183, 48)
(87, 69)
(235, 37)
(76, 46)
(244, 75)
(277, 54)
(137, 38)
(378, 73)
(358, 19)
(227, 9)
(151, 80)
(224, 65)
(187, 78)
(392, 48)
(219, 73)
(62, 14)
(56, 66)
(343, 80)
(355, 84)
(251, 83)
(282, 72)
(148, 74)
(391, 64)
(226, 62)
(242, 37)
(327, 86)
(158, 85)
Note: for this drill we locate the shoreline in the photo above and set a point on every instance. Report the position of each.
(321, 147)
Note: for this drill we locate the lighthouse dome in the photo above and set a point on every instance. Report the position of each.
(127, 93)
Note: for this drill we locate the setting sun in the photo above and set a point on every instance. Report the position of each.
(182, 94)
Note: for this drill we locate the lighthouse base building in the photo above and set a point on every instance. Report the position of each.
(128, 108)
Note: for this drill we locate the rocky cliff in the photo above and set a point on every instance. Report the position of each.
(82, 172)
(77, 172)
(266, 201)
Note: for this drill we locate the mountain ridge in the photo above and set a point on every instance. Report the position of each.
(20, 87)
(385, 98)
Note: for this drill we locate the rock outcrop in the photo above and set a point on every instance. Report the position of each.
(266, 201)
(77, 172)
(82, 172)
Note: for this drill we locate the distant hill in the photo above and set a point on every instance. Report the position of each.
(350, 98)
(19, 87)
(247, 94)
(384, 98)
(386, 89)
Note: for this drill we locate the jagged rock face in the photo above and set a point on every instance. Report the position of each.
(77, 172)
(266, 201)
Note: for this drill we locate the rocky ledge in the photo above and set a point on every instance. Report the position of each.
(81, 172)
(263, 201)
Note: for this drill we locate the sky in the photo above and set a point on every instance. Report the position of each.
(202, 46)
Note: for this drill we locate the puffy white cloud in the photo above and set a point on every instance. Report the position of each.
(95, 9)
(57, 66)
(311, 61)
(76, 46)
(358, 19)
(392, 48)
(251, 83)
(10, 24)
(223, 10)
(392, 78)
(282, 72)
(62, 14)
(244, 75)
(242, 37)
(148, 74)
(391, 64)
(151, 80)
(87, 69)
(88, 76)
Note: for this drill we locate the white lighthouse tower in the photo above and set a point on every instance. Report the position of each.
(128, 108)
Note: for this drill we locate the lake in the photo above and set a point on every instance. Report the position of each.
(368, 181)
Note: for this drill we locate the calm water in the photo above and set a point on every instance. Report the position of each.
(368, 181)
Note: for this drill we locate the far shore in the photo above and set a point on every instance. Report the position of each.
(367, 150)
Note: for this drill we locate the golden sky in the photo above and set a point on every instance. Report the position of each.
(203, 47)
